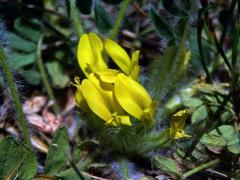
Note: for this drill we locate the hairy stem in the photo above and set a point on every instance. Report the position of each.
(76, 18)
(123, 9)
(15, 96)
(200, 168)
(44, 76)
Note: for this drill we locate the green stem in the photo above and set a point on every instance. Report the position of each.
(44, 76)
(15, 96)
(200, 168)
(123, 9)
(76, 18)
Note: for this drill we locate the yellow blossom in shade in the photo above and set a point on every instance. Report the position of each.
(134, 98)
(101, 100)
(177, 125)
(90, 54)
(129, 66)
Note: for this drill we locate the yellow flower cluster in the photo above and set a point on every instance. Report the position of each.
(113, 95)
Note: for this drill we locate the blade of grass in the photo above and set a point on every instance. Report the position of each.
(44, 76)
(123, 9)
(214, 36)
(199, 40)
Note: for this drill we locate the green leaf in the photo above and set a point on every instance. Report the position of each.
(27, 30)
(199, 114)
(166, 165)
(163, 28)
(103, 20)
(31, 76)
(191, 102)
(84, 6)
(18, 43)
(231, 137)
(19, 60)
(213, 140)
(57, 155)
(58, 77)
(112, 1)
(16, 160)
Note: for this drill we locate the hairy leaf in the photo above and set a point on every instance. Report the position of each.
(16, 160)
(57, 155)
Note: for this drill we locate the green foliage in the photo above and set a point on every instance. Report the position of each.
(20, 60)
(23, 43)
(191, 102)
(199, 114)
(223, 136)
(16, 160)
(163, 28)
(57, 75)
(58, 152)
(18, 43)
(32, 76)
(166, 165)
(103, 20)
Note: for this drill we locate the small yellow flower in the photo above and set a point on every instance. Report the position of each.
(90, 54)
(177, 125)
(134, 98)
(101, 100)
(129, 66)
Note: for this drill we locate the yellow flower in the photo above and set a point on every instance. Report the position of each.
(129, 66)
(90, 54)
(177, 125)
(101, 100)
(134, 98)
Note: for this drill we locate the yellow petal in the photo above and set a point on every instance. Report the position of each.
(90, 49)
(135, 67)
(125, 120)
(180, 134)
(119, 55)
(108, 75)
(79, 99)
(135, 57)
(177, 124)
(95, 100)
(104, 89)
(132, 96)
(103, 103)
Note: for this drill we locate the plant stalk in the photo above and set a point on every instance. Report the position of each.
(123, 9)
(15, 96)
(44, 76)
(200, 168)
